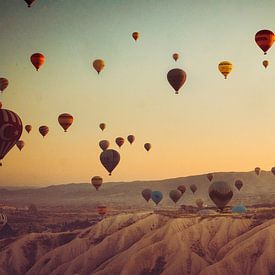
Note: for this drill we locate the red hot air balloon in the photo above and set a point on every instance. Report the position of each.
(43, 130)
(110, 159)
(28, 128)
(37, 60)
(131, 139)
(10, 131)
(65, 120)
(265, 39)
(147, 146)
(209, 176)
(29, 2)
(238, 184)
(135, 35)
(176, 78)
(119, 141)
(4, 83)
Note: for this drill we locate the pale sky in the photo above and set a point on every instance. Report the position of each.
(212, 125)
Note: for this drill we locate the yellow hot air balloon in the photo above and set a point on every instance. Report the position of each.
(265, 63)
(98, 65)
(225, 67)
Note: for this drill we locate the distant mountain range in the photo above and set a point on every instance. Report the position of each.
(256, 190)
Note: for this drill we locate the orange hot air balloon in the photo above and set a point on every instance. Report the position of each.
(104, 144)
(29, 2)
(37, 60)
(135, 35)
(28, 128)
(131, 139)
(193, 188)
(176, 56)
(264, 39)
(102, 126)
(239, 184)
(273, 170)
(147, 146)
(20, 144)
(119, 141)
(98, 65)
(65, 120)
(175, 195)
(176, 78)
(146, 194)
(182, 188)
(225, 67)
(4, 83)
(101, 210)
(265, 63)
(43, 130)
(97, 181)
(257, 171)
(209, 176)
(110, 159)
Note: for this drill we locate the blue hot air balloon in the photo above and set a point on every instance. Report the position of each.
(239, 209)
(156, 197)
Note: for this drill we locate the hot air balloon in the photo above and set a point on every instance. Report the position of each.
(146, 194)
(239, 184)
(176, 78)
(37, 60)
(225, 67)
(182, 188)
(97, 181)
(43, 130)
(110, 159)
(98, 65)
(264, 39)
(193, 188)
(265, 63)
(156, 197)
(273, 170)
(220, 193)
(176, 56)
(102, 126)
(238, 209)
(257, 171)
(4, 83)
(20, 144)
(131, 139)
(147, 146)
(10, 131)
(119, 141)
(29, 2)
(1, 105)
(65, 120)
(199, 203)
(135, 35)
(101, 210)
(104, 144)
(175, 195)
(28, 128)
(3, 220)
(209, 176)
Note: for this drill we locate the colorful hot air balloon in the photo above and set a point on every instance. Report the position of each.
(102, 126)
(225, 67)
(65, 120)
(110, 159)
(104, 144)
(265, 63)
(156, 196)
(199, 203)
(20, 144)
(119, 141)
(101, 210)
(257, 171)
(146, 194)
(239, 184)
(29, 2)
(182, 188)
(131, 139)
(209, 176)
(98, 65)
(37, 60)
(10, 131)
(28, 128)
(147, 146)
(4, 83)
(273, 170)
(175, 195)
(264, 39)
(135, 35)
(176, 56)
(176, 78)
(193, 188)
(97, 181)
(43, 130)
(220, 193)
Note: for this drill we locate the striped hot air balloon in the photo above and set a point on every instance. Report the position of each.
(4, 83)
(43, 130)
(37, 60)
(65, 120)
(101, 210)
(10, 131)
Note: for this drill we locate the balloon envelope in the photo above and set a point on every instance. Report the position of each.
(273, 170)
(193, 188)
(264, 39)
(199, 203)
(135, 35)
(209, 176)
(28, 128)
(156, 197)
(29, 2)
(98, 65)
(110, 159)
(102, 126)
(119, 141)
(239, 209)
(4, 83)
(97, 181)
(175, 195)
(176, 56)
(181, 188)
(239, 184)
(257, 171)
(146, 194)
(37, 60)
(65, 120)
(265, 63)
(176, 78)
(20, 144)
(131, 138)
(104, 144)
(43, 130)
(101, 210)
(225, 67)
(147, 146)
